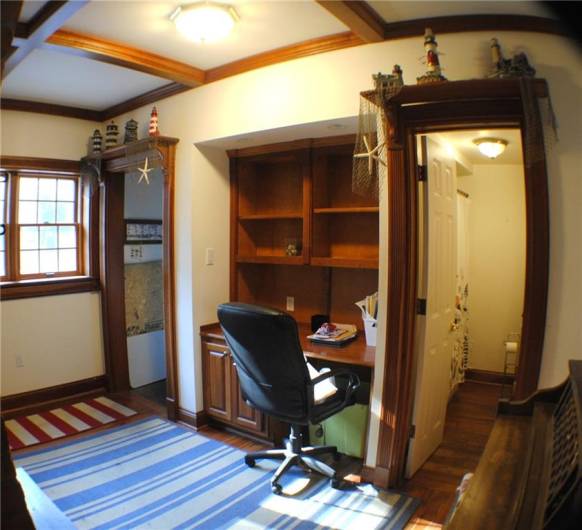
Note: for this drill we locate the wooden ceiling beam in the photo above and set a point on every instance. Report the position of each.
(46, 21)
(286, 53)
(119, 54)
(359, 17)
(51, 109)
(9, 22)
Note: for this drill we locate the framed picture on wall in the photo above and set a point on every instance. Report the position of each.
(143, 231)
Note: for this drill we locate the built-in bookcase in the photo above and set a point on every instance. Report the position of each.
(298, 197)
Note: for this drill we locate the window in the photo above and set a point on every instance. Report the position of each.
(44, 235)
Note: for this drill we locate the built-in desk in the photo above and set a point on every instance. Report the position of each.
(355, 353)
(222, 398)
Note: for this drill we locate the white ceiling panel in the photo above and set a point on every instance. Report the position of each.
(263, 26)
(53, 77)
(396, 11)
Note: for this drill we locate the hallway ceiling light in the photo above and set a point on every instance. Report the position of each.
(490, 147)
(204, 21)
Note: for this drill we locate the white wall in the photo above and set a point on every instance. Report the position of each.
(59, 337)
(497, 233)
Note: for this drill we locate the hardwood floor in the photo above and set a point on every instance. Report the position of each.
(470, 417)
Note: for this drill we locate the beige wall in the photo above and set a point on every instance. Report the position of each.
(59, 338)
(496, 260)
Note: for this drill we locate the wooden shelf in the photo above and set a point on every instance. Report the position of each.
(273, 260)
(346, 263)
(347, 209)
(270, 216)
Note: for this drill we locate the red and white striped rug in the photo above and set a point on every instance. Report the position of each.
(46, 426)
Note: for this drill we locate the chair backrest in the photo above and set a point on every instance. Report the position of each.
(269, 360)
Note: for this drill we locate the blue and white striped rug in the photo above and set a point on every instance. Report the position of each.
(158, 475)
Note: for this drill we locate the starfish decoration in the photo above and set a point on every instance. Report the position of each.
(144, 172)
(371, 154)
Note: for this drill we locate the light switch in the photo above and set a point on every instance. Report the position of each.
(209, 256)
(290, 303)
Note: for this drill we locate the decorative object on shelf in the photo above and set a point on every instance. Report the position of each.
(370, 137)
(433, 73)
(292, 247)
(517, 66)
(96, 141)
(144, 172)
(153, 129)
(371, 153)
(111, 135)
(388, 83)
(130, 132)
(490, 147)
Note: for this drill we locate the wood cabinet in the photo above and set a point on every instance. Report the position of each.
(223, 401)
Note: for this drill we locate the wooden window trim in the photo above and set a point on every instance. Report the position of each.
(85, 279)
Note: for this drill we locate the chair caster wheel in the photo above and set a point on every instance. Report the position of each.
(249, 461)
(336, 483)
(276, 489)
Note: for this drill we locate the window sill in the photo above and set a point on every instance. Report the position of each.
(48, 287)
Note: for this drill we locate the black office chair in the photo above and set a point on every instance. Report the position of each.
(274, 379)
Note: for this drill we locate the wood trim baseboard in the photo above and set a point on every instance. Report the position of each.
(488, 376)
(368, 473)
(194, 419)
(43, 395)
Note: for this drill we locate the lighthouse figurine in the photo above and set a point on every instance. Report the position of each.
(433, 72)
(153, 128)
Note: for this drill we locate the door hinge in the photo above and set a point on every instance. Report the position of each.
(421, 306)
(412, 432)
(421, 173)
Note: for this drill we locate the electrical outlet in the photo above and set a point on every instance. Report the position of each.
(209, 256)
(19, 361)
(290, 303)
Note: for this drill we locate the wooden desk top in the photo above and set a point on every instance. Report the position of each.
(356, 353)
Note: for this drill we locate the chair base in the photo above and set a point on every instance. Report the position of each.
(295, 454)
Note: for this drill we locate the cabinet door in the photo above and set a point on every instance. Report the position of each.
(217, 380)
(243, 415)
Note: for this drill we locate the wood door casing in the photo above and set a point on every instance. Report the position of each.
(217, 380)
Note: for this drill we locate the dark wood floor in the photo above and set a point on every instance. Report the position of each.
(470, 417)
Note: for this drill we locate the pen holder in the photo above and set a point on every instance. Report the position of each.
(370, 331)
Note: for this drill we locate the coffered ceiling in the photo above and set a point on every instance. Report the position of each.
(101, 58)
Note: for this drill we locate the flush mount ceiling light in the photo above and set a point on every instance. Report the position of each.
(204, 21)
(490, 147)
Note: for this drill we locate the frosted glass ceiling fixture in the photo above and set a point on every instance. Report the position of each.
(204, 21)
(491, 147)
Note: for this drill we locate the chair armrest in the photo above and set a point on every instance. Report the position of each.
(353, 381)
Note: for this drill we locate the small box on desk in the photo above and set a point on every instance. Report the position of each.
(370, 330)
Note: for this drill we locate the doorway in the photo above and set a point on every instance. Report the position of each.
(471, 273)
(144, 286)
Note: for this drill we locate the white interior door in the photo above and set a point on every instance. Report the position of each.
(437, 283)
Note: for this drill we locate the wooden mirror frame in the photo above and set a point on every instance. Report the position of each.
(441, 107)
(114, 162)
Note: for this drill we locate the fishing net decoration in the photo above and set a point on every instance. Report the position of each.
(369, 165)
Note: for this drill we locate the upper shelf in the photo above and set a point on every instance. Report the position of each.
(270, 216)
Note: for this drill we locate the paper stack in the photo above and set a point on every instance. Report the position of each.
(334, 334)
